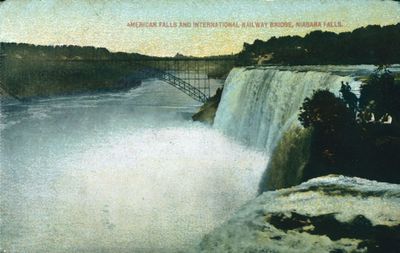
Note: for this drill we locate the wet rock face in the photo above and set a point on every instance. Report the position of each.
(207, 111)
(326, 214)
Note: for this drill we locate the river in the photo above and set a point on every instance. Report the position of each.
(117, 172)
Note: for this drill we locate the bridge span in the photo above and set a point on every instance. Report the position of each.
(189, 75)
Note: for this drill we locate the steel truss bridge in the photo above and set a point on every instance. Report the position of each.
(189, 75)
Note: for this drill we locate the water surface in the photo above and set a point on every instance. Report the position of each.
(117, 172)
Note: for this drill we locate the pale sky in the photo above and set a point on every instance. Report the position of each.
(103, 23)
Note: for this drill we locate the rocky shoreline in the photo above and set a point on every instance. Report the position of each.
(326, 214)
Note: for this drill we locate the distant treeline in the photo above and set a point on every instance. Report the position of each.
(71, 52)
(33, 70)
(62, 52)
(367, 45)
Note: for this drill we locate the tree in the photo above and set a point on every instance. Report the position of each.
(380, 96)
(325, 111)
(335, 135)
(342, 145)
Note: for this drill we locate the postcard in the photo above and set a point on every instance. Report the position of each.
(199, 126)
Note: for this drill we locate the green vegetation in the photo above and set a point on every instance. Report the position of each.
(45, 78)
(355, 137)
(367, 45)
(29, 70)
(381, 97)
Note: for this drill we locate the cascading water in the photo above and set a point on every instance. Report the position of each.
(259, 104)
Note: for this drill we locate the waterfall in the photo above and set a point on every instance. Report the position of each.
(259, 104)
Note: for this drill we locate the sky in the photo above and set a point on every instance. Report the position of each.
(104, 23)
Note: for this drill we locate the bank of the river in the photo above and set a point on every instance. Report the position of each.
(326, 214)
(4, 94)
(27, 78)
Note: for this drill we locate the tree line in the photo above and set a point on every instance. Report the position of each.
(373, 44)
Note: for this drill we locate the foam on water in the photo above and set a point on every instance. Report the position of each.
(120, 173)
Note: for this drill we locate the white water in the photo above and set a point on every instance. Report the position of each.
(120, 172)
(259, 104)
(129, 172)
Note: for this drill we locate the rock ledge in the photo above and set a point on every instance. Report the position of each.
(325, 214)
